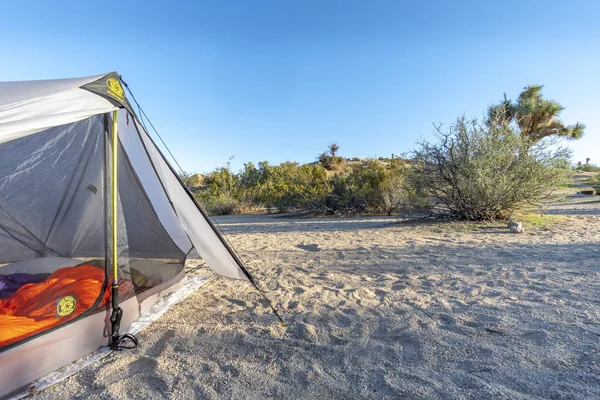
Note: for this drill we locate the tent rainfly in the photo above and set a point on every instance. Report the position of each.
(95, 224)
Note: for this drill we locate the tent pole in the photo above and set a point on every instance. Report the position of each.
(117, 312)
(115, 191)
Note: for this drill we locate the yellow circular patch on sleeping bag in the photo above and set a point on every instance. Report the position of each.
(65, 306)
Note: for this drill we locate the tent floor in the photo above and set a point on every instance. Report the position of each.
(36, 358)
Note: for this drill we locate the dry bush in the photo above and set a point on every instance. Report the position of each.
(221, 205)
(485, 171)
(372, 188)
(331, 163)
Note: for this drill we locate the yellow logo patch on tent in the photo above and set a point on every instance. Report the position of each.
(115, 89)
(65, 306)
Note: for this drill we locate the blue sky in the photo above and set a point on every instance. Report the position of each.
(279, 80)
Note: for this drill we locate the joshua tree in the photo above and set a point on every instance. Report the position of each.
(536, 116)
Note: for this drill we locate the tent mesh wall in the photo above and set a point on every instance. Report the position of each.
(55, 230)
(153, 256)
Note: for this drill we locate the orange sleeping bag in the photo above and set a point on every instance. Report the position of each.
(63, 296)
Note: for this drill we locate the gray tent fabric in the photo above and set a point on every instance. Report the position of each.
(161, 203)
(52, 183)
(205, 238)
(57, 194)
(17, 92)
(32, 106)
(27, 108)
(53, 186)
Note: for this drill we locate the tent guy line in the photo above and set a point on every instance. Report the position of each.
(181, 174)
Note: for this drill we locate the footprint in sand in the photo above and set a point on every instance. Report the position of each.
(348, 311)
(237, 302)
(411, 349)
(229, 370)
(538, 337)
(400, 284)
(309, 247)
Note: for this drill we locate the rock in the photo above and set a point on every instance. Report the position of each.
(515, 226)
(590, 192)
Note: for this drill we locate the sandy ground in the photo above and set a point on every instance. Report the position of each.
(379, 308)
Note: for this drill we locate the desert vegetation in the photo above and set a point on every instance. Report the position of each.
(480, 171)
(472, 170)
(587, 167)
(594, 182)
(535, 116)
(366, 187)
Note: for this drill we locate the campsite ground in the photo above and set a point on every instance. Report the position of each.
(378, 307)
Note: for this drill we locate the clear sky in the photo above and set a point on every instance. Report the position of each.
(279, 80)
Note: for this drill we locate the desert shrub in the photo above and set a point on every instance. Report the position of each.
(224, 192)
(330, 160)
(370, 188)
(250, 184)
(285, 187)
(331, 163)
(292, 187)
(485, 171)
(587, 168)
(222, 180)
(563, 163)
(222, 204)
(219, 192)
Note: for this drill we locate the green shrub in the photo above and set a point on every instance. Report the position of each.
(220, 181)
(331, 163)
(371, 188)
(219, 192)
(587, 168)
(221, 205)
(293, 187)
(486, 171)
(330, 160)
(285, 187)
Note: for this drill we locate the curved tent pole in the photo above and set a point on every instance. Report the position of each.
(117, 312)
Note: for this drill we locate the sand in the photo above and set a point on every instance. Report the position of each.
(379, 308)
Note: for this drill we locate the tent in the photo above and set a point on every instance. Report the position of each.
(95, 224)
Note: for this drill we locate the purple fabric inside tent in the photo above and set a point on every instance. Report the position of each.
(9, 284)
